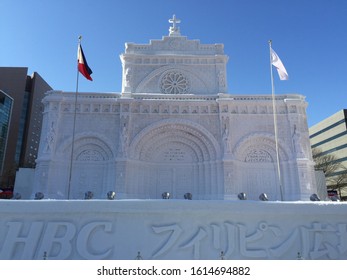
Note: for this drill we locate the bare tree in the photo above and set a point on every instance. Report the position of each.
(325, 162)
(329, 164)
(338, 182)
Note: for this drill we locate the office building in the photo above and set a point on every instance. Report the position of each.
(26, 93)
(329, 139)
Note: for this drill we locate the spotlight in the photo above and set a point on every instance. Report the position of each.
(314, 197)
(299, 256)
(88, 195)
(17, 196)
(111, 195)
(138, 257)
(39, 196)
(165, 195)
(188, 196)
(242, 196)
(263, 197)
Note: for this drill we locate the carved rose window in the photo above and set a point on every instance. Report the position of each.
(174, 83)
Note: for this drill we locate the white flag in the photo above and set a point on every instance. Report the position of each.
(275, 61)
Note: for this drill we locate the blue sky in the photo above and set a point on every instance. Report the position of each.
(310, 37)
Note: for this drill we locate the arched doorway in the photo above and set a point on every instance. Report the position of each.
(256, 167)
(175, 156)
(92, 167)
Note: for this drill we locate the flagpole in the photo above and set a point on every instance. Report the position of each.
(74, 124)
(275, 123)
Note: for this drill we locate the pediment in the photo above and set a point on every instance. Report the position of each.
(173, 80)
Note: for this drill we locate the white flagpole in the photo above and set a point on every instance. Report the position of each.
(74, 124)
(275, 124)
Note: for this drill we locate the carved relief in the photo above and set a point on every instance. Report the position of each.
(86, 108)
(50, 139)
(226, 134)
(145, 109)
(135, 108)
(123, 137)
(125, 108)
(96, 108)
(174, 82)
(221, 80)
(116, 108)
(128, 77)
(90, 155)
(179, 149)
(298, 143)
(106, 108)
(123, 141)
(65, 107)
(258, 156)
(172, 153)
(293, 109)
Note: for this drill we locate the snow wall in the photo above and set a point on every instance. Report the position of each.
(172, 229)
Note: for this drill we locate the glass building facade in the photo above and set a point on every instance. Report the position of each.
(6, 103)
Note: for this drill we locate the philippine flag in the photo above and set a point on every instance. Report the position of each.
(83, 65)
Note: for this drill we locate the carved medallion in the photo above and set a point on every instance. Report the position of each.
(174, 82)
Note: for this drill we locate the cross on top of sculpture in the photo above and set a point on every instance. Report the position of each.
(174, 30)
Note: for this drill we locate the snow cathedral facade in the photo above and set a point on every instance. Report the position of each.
(174, 129)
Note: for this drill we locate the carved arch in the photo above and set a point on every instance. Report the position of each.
(262, 145)
(197, 139)
(88, 146)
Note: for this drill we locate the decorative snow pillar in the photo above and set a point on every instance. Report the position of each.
(301, 148)
(47, 147)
